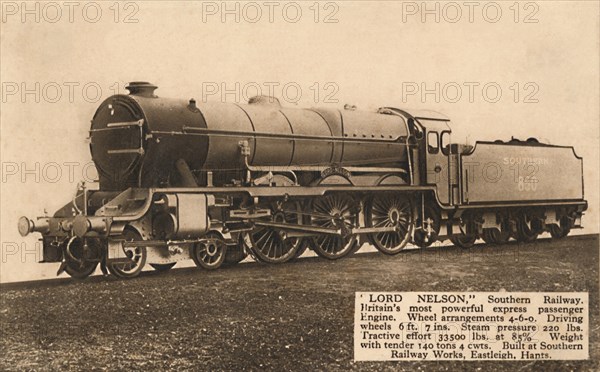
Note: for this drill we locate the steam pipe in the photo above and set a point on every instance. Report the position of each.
(187, 177)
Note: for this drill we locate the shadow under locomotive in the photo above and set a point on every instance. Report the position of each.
(214, 182)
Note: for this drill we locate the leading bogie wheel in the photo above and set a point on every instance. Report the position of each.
(80, 271)
(335, 211)
(210, 252)
(136, 256)
(390, 211)
(235, 253)
(78, 264)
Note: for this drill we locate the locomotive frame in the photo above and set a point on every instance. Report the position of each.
(273, 211)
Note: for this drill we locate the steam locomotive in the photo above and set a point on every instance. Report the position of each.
(214, 182)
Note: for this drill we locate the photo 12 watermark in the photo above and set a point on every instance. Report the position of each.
(470, 11)
(70, 11)
(270, 11)
(470, 92)
(22, 252)
(48, 172)
(290, 92)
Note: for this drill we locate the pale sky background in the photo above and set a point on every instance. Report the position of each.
(370, 55)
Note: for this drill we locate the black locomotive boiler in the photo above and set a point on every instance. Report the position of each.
(214, 182)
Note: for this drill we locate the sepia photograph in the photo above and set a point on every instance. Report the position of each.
(300, 185)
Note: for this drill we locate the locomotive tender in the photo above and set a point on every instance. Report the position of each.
(217, 181)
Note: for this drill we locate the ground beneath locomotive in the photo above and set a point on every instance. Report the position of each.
(296, 316)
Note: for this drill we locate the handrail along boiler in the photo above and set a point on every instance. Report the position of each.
(217, 181)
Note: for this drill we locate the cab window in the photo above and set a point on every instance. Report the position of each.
(433, 144)
(445, 142)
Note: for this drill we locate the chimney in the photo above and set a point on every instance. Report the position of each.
(141, 88)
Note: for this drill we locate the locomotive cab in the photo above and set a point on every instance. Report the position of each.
(433, 134)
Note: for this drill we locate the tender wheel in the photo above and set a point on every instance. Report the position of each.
(495, 236)
(272, 245)
(502, 236)
(333, 211)
(467, 237)
(163, 267)
(464, 241)
(527, 229)
(390, 211)
(210, 253)
(136, 255)
(78, 265)
(562, 230)
(429, 227)
(488, 236)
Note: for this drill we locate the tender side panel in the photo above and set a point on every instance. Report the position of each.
(504, 173)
